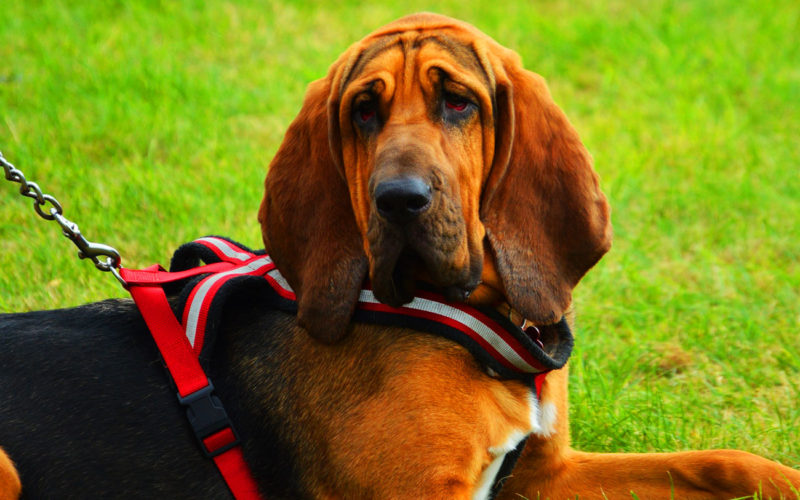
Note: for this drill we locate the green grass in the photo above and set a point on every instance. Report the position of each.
(153, 123)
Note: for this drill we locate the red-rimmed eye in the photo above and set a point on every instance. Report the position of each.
(456, 110)
(366, 115)
(455, 104)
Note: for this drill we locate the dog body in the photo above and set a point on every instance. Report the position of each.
(427, 153)
(87, 411)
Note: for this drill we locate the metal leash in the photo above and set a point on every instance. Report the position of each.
(86, 248)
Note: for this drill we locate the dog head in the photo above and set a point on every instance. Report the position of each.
(429, 153)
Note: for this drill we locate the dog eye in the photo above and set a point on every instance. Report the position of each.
(456, 103)
(456, 109)
(365, 114)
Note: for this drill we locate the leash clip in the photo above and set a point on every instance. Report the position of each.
(209, 421)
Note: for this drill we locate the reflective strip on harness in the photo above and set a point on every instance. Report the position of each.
(196, 309)
(494, 339)
(224, 249)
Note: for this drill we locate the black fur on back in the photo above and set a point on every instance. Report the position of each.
(87, 409)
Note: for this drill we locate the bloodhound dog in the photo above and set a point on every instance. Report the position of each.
(427, 154)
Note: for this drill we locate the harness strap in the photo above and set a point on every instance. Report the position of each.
(156, 275)
(181, 362)
(210, 423)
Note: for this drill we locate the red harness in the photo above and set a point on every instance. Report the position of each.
(489, 336)
(206, 415)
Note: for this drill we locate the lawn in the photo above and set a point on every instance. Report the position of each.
(154, 122)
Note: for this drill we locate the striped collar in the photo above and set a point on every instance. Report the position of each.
(493, 339)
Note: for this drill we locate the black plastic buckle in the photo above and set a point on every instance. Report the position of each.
(207, 416)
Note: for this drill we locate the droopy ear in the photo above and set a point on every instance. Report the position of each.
(546, 219)
(307, 221)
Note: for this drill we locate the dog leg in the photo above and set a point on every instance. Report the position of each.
(10, 486)
(708, 474)
(549, 468)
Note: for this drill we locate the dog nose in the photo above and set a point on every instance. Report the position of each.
(403, 199)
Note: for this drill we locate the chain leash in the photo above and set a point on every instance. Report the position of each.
(86, 248)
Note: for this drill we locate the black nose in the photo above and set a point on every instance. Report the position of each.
(402, 199)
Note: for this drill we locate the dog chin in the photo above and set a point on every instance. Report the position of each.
(395, 283)
(423, 251)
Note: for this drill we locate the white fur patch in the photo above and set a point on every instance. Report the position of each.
(513, 440)
(486, 481)
(535, 413)
(549, 415)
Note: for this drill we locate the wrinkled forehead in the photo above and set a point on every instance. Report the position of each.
(412, 54)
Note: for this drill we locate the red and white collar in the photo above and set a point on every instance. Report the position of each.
(506, 348)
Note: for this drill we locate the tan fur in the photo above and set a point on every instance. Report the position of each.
(389, 425)
(520, 203)
(10, 486)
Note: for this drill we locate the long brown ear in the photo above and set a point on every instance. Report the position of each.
(546, 219)
(308, 224)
